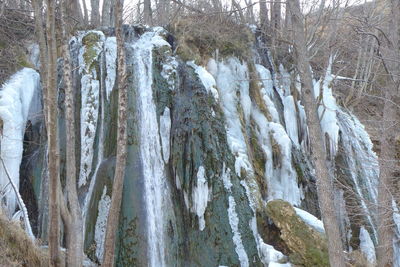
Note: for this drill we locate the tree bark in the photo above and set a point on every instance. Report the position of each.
(106, 17)
(40, 35)
(95, 13)
(113, 216)
(163, 12)
(276, 17)
(388, 162)
(263, 15)
(74, 11)
(147, 13)
(75, 227)
(319, 155)
(52, 131)
(85, 13)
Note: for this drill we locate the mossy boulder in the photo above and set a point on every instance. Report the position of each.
(307, 246)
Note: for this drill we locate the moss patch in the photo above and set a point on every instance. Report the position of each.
(307, 246)
(90, 41)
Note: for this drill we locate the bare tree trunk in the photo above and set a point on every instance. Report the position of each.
(75, 227)
(276, 17)
(95, 13)
(238, 9)
(113, 216)
(74, 11)
(163, 12)
(106, 14)
(387, 165)
(147, 13)
(217, 5)
(250, 12)
(388, 161)
(53, 164)
(263, 15)
(85, 13)
(319, 155)
(37, 7)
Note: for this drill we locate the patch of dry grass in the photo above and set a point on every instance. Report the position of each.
(199, 36)
(16, 248)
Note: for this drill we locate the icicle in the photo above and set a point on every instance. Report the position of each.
(200, 196)
(165, 129)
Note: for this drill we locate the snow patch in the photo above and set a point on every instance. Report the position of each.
(310, 220)
(367, 246)
(206, 78)
(169, 71)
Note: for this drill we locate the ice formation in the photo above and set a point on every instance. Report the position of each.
(165, 129)
(200, 197)
(101, 223)
(366, 245)
(110, 52)
(206, 78)
(150, 144)
(310, 219)
(227, 75)
(234, 219)
(90, 95)
(362, 162)
(327, 110)
(16, 98)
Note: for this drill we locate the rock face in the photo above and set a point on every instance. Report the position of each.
(307, 246)
(208, 146)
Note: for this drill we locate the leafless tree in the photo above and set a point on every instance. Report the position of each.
(95, 13)
(73, 219)
(52, 132)
(107, 14)
(319, 154)
(113, 216)
(390, 55)
(147, 12)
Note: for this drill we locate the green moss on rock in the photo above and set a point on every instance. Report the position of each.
(90, 41)
(307, 247)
